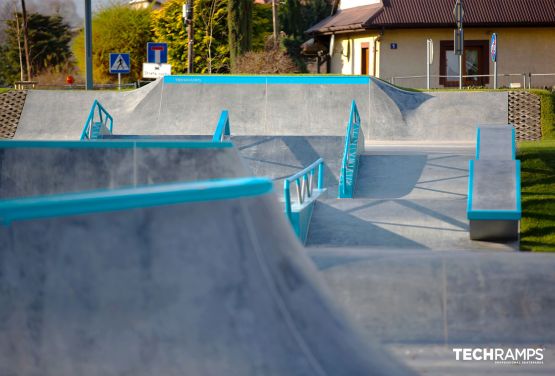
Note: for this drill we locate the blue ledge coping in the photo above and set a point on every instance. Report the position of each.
(500, 215)
(107, 144)
(271, 80)
(478, 135)
(61, 205)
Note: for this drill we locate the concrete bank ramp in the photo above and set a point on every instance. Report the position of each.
(449, 116)
(268, 106)
(29, 168)
(156, 280)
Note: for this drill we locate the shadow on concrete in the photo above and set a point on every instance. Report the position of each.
(333, 227)
(388, 176)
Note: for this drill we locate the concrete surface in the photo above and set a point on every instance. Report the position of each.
(279, 157)
(398, 115)
(496, 142)
(34, 171)
(413, 199)
(494, 186)
(294, 109)
(414, 296)
(188, 289)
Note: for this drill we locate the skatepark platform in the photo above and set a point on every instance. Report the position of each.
(171, 279)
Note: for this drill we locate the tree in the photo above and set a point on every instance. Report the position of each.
(117, 28)
(211, 51)
(49, 38)
(239, 21)
(261, 25)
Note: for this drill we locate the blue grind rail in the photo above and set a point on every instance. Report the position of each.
(266, 80)
(222, 129)
(300, 213)
(349, 165)
(95, 126)
(60, 205)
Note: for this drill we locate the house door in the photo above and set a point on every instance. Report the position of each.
(364, 59)
(475, 62)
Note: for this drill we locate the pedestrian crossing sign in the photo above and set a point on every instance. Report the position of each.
(120, 63)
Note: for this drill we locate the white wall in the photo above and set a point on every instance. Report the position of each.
(346, 4)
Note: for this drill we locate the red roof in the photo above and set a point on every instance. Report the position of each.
(439, 13)
(347, 19)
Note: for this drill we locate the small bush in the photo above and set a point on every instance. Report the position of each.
(270, 61)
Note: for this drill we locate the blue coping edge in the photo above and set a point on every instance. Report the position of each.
(478, 143)
(514, 141)
(60, 205)
(271, 80)
(501, 215)
(106, 144)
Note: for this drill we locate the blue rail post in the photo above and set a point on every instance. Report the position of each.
(299, 215)
(349, 165)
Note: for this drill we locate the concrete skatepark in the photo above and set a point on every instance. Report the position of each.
(396, 259)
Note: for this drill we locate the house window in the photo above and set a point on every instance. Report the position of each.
(364, 58)
(475, 62)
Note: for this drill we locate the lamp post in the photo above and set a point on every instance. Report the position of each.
(188, 21)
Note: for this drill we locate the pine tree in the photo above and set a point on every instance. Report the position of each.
(239, 20)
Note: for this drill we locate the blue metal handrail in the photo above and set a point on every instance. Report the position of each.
(304, 183)
(349, 164)
(222, 129)
(60, 205)
(103, 118)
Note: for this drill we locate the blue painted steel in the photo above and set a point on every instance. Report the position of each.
(493, 47)
(152, 47)
(477, 143)
(299, 215)
(268, 80)
(130, 198)
(222, 129)
(349, 165)
(126, 59)
(107, 144)
(474, 214)
(92, 128)
(514, 142)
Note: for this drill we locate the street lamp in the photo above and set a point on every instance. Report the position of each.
(188, 22)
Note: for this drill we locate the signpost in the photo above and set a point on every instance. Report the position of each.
(120, 63)
(458, 12)
(157, 53)
(430, 60)
(493, 52)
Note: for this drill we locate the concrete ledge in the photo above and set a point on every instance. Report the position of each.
(495, 142)
(494, 204)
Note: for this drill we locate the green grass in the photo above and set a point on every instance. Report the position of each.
(547, 114)
(538, 195)
(4, 90)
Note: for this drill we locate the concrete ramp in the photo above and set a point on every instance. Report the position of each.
(160, 278)
(268, 106)
(399, 115)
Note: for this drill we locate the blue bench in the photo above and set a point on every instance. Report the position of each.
(495, 142)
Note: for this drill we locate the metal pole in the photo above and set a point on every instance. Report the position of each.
(190, 35)
(88, 45)
(495, 74)
(119, 81)
(428, 64)
(460, 71)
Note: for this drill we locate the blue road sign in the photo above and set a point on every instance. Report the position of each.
(493, 47)
(120, 63)
(157, 53)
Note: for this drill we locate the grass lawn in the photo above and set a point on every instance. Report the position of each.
(4, 90)
(538, 195)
